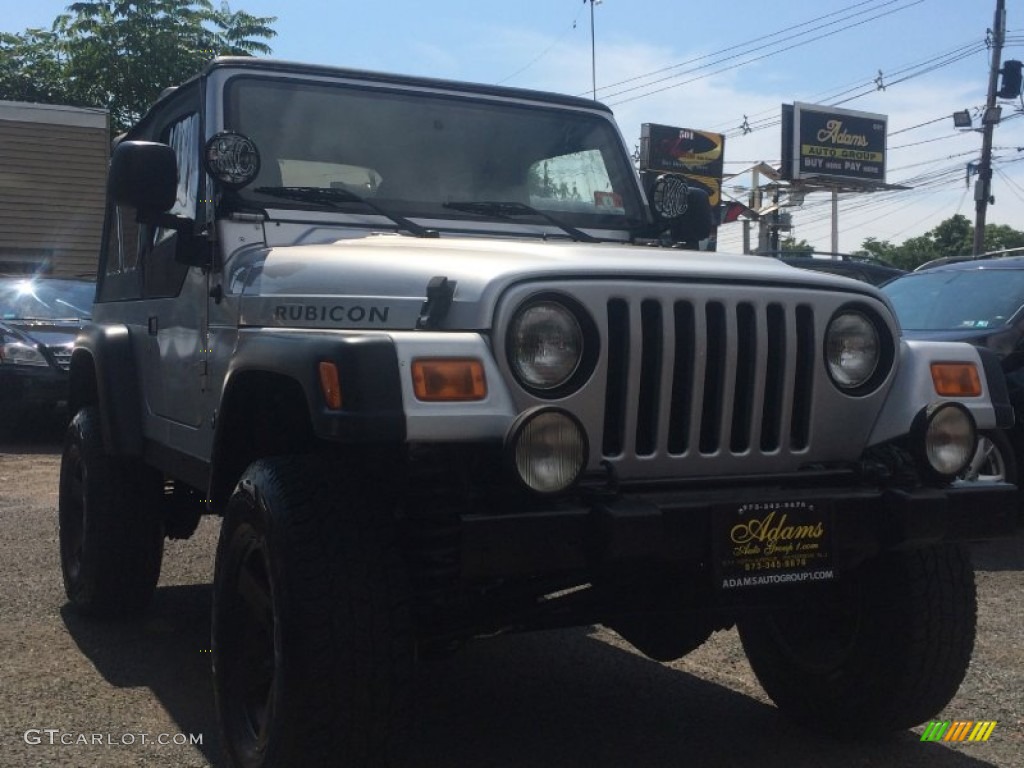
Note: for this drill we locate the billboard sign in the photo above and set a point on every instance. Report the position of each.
(698, 156)
(827, 142)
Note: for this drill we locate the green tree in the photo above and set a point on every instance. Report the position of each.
(31, 68)
(793, 246)
(999, 237)
(120, 54)
(952, 237)
(916, 251)
(879, 249)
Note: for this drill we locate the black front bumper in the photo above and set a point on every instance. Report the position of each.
(22, 386)
(676, 529)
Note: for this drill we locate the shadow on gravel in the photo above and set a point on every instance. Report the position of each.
(166, 650)
(999, 555)
(34, 433)
(545, 700)
(567, 700)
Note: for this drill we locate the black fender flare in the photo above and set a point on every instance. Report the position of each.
(368, 367)
(103, 371)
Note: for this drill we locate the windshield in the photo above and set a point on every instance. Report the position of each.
(957, 300)
(29, 299)
(412, 153)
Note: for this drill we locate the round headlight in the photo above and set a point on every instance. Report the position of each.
(949, 439)
(852, 349)
(548, 448)
(545, 345)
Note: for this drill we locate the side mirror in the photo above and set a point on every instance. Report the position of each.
(143, 175)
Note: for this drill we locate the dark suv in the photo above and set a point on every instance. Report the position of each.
(864, 268)
(980, 301)
(39, 319)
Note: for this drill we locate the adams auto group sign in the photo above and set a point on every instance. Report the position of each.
(822, 142)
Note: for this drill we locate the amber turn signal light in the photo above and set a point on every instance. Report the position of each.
(956, 379)
(330, 385)
(448, 380)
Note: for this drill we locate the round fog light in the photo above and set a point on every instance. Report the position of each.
(548, 448)
(949, 439)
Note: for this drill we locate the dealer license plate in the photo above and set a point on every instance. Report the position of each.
(772, 543)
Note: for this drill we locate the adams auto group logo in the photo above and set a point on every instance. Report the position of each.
(958, 730)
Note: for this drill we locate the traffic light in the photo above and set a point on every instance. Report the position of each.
(1011, 86)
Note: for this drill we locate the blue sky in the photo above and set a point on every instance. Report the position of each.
(805, 52)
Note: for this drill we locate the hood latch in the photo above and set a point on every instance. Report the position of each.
(440, 291)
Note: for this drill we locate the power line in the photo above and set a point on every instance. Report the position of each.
(547, 50)
(769, 54)
(868, 87)
(745, 43)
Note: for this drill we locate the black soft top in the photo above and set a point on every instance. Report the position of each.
(296, 68)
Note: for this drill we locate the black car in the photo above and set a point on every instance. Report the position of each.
(39, 319)
(980, 301)
(864, 268)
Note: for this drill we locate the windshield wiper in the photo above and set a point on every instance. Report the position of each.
(509, 210)
(43, 319)
(331, 197)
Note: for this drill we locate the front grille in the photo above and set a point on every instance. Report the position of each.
(710, 378)
(61, 355)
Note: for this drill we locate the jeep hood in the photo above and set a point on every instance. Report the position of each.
(381, 280)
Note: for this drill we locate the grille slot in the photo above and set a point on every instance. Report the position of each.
(716, 343)
(707, 378)
(61, 356)
(618, 372)
(652, 336)
(682, 377)
(743, 394)
(801, 428)
(774, 378)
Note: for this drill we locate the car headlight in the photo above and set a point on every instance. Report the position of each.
(20, 353)
(852, 349)
(548, 449)
(545, 345)
(947, 437)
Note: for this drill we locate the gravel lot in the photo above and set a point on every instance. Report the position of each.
(547, 700)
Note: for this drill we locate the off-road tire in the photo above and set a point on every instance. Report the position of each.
(883, 649)
(312, 628)
(110, 527)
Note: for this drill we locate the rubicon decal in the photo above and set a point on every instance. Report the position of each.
(334, 313)
(959, 730)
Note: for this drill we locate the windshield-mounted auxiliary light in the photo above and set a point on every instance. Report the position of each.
(945, 437)
(670, 196)
(232, 159)
(547, 449)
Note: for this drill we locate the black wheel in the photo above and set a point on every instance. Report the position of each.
(111, 531)
(883, 649)
(993, 461)
(312, 631)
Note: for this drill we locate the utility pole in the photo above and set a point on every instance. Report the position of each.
(593, 50)
(755, 204)
(983, 186)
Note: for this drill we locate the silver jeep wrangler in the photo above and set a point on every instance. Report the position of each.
(442, 362)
